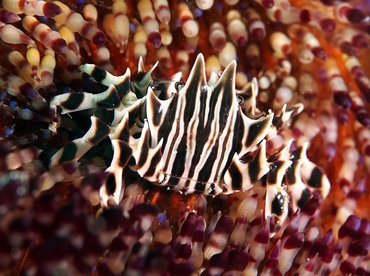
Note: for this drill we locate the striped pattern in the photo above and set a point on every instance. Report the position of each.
(292, 177)
(74, 150)
(77, 101)
(122, 83)
(203, 133)
(312, 175)
(193, 138)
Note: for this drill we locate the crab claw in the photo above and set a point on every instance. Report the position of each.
(113, 187)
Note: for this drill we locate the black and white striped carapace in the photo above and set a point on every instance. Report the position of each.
(193, 141)
(203, 133)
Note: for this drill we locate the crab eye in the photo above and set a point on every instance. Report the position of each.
(179, 85)
(240, 99)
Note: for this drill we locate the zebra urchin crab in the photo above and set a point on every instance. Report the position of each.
(193, 141)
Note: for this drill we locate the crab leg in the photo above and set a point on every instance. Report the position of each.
(122, 83)
(276, 196)
(76, 101)
(299, 192)
(241, 177)
(312, 175)
(149, 161)
(113, 187)
(78, 147)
